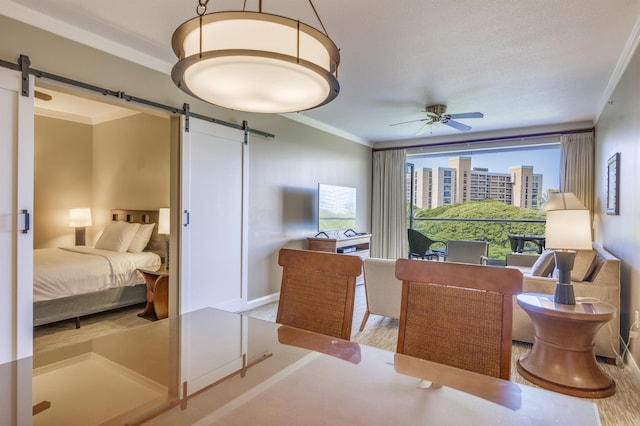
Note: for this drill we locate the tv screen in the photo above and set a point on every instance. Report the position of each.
(336, 207)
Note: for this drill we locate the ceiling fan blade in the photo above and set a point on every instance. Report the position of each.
(407, 122)
(423, 129)
(467, 115)
(457, 125)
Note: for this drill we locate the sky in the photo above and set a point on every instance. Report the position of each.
(545, 160)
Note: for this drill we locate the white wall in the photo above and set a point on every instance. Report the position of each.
(62, 179)
(122, 163)
(131, 160)
(618, 130)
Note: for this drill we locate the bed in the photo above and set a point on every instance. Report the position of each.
(73, 282)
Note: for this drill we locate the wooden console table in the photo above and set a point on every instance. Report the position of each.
(333, 245)
(157, 293)
(562, 358)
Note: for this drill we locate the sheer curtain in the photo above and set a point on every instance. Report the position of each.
(577, 166)
(389, 205)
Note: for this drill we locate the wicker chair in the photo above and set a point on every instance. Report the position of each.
(318, 291)
(458, 314)
(420, 245)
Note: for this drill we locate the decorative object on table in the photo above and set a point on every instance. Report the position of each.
(80, 219)
(568, 229)
(255, 61)
(613, 189)
(163, 229)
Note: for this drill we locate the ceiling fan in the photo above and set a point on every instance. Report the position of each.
(437, 114)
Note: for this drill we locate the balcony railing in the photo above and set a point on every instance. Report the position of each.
(495, 231)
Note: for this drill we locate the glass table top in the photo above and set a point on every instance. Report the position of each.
(216, 367)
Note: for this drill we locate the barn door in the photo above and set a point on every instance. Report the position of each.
(16, 247)
(16, 208)
(213, 191)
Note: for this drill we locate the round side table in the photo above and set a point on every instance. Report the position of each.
(562, 357)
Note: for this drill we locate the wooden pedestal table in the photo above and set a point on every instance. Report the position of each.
(562, 357)
(157, 293)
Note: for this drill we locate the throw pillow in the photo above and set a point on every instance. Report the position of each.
(117, 236)
(142, 237)
(544, 265)
(583, 265)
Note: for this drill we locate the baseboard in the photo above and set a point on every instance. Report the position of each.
(261, 301)
(634, 370)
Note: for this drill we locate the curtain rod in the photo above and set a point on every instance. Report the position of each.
(501, 138)
(24, 66)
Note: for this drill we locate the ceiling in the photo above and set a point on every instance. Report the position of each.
(523, 64)
(73, 108)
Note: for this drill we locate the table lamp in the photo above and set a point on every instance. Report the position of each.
(80, 219)
(163, 229)
(567, 231)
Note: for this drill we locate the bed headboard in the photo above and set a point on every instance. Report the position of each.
(157, 242)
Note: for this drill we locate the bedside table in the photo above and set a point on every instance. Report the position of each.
(157, 293)
(562, 357)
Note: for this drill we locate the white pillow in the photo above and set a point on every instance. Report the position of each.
(142, 237)
(117, 236)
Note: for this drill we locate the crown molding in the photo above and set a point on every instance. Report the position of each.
(623, 62)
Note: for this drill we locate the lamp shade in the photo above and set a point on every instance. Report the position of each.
(255, 62)
(163, 221)
(568, 230)
(561, 201)
(79, 217)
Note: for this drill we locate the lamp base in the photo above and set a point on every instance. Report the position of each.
(564, 288)
(80, 236)
(564, 294)
(166, 253)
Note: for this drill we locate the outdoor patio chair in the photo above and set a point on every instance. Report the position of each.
(420, 246)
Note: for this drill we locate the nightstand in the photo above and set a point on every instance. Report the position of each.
(157, 293)
(562, 357)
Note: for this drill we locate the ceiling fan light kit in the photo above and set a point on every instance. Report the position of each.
(255, 61)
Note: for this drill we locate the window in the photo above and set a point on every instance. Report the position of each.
(517, 178)
(527, 172)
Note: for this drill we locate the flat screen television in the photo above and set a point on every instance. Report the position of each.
(336, 207)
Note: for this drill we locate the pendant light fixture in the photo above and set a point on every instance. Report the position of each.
(255, 61)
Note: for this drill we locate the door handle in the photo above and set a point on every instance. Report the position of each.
(24, 221)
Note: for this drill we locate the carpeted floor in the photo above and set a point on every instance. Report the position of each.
(621, 409)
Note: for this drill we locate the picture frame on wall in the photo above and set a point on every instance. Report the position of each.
(613, 188)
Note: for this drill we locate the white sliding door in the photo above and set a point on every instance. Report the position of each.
(16, 195)
(212, 240)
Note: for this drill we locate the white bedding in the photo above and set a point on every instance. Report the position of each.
(60, 272)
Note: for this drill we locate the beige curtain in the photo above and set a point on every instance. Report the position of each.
(389, 209)
(577, 166)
